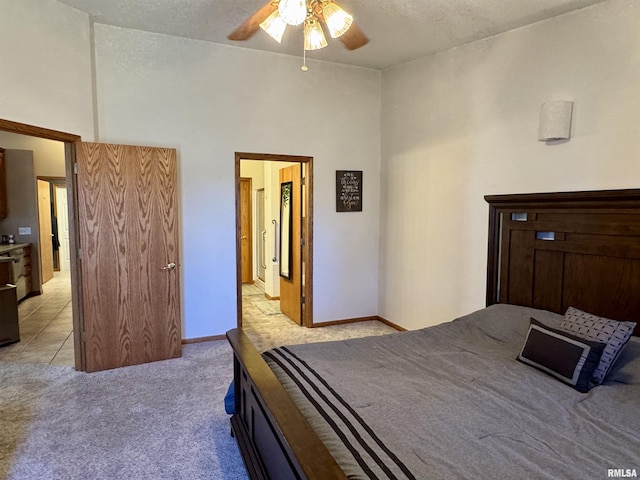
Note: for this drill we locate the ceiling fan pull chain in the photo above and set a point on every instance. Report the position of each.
(304, 67)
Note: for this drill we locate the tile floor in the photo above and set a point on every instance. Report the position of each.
(46, 326)
(267, 327)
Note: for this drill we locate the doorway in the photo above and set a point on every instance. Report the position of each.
(144, 181)
(267, 232)
(62, 257)
(261, 235)
(53, 220)
(45, 312)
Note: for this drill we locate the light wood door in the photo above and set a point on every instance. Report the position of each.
(246, 243)
(44, 223)
(128, 229)
(291, 289)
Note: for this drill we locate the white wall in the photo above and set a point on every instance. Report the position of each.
(210, 101)
(22, 206)
(463, 124)
(272, 212)
(45, 56)
(48, 155)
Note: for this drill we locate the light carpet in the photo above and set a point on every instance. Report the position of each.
(272, 331)
(163, 420)
(269, 307)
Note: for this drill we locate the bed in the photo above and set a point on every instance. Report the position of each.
(451, 401)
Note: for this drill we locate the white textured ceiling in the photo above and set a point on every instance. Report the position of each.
(399, 30)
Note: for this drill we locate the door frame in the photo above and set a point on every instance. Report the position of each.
(260, 247)
(56, 187)
(307, 229)
(69, 140)
(54, 182)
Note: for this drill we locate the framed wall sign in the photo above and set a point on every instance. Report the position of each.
(348, 190)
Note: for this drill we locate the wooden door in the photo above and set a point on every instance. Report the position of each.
(62, 216)
(128, 230)
(291, 288)
(44, 223)
(246, 243)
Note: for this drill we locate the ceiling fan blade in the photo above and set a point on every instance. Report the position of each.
(353, 38)
(252, 24)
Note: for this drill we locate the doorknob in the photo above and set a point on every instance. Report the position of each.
(243, 237)
(170, 266)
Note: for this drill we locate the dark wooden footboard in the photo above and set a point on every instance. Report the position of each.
(275, 439)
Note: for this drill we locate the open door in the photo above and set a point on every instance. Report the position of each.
(128, 232)
(246, 242)
(290, 254)
(44, 223)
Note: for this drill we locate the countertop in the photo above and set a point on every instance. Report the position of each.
(8, 248)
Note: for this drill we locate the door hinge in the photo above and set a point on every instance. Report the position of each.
(79, 254)
(303, 300)
(304, 181)
(302, 242)
(75, 168)
(83, 336)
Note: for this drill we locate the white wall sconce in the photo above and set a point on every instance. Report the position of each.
(555, 121)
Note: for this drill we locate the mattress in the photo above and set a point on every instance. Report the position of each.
(451, 401)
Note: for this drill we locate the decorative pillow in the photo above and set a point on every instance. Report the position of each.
(598, 329)
(570, 359)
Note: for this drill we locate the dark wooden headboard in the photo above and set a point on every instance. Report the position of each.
(555, 250)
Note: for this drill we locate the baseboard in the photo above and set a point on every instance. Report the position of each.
(391, 324)
(269, 297)
(358, 320)
(212, 338)
(344, 322)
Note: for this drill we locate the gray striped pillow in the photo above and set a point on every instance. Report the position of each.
(599, 329)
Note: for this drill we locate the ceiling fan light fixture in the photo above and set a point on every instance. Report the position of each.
(314, 38)
(275, 26)
(338, 21)
(293, 12)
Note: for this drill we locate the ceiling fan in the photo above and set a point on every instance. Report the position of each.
(275, 15)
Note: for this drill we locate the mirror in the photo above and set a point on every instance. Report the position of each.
(286, 253)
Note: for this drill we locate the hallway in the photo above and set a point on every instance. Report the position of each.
(46, 326)
(267, 327)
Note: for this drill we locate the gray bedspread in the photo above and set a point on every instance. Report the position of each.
(451, 401)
